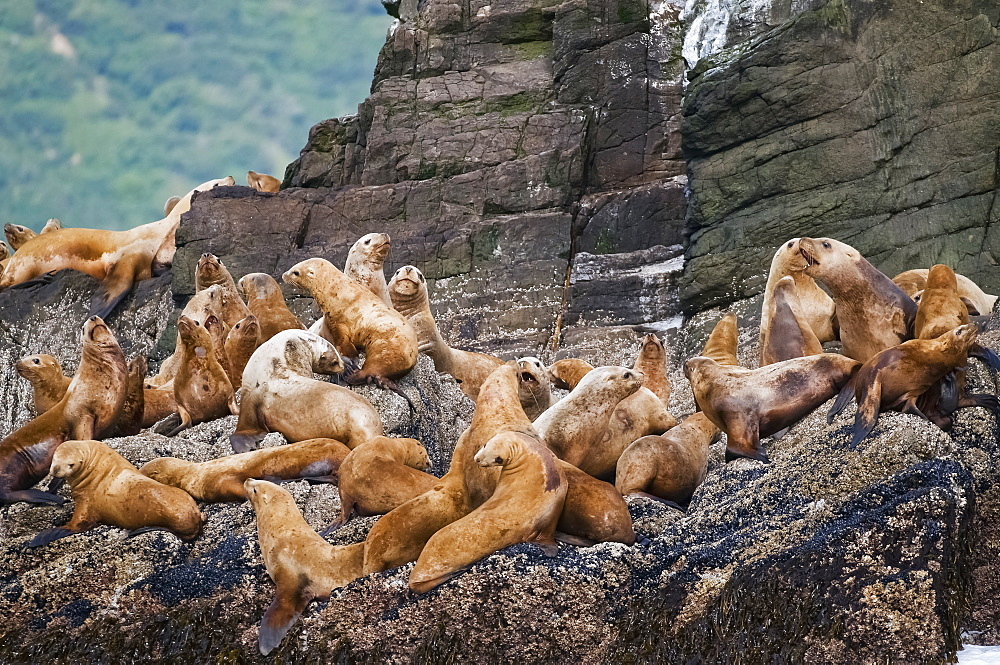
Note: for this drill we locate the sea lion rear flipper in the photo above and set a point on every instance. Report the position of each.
(847, 393)
(55, 484)
(47, 536)
(113, 289)
(991, 402)
(987, 355)
(869, 402)
(147, 529)
(948, 400)
(319, 480)
(549, 547)
(167, 424)
(186, 421)
(31, 496)
(281, 615)
(245, 442)
(573, 540)
(780, 433)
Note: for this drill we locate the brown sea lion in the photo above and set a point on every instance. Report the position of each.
(524, 508)
(722, 343)
(96, 395)
(940, 309)
(51, 225)
(157, 404)
(534, 386)
(169, 204)
(640, 414)
(4, 254)
(980, 303)
(263, 182)
(48, 383)
(201, 388)
(302, 565)
(381, 475)
(408, 290)
(107, 489)
(205, 303)
(118, 259)
(17, 235)
(668, 467)
(652, 362)
(217, 333)
(817, 308)
(221, 479)
(789, 335)
(873, 313)
(281, 395)
(211, 272)
(359, 321)
(574, 427)
(568, 372)
(365, 264)
(894, 379)
(750, 404)
(240, 344)
(130, 419)
(265, 301)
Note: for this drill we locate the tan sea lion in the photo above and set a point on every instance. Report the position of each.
(574, 427)
(221, 479)
(894, 379)
(281, 395)
(130, 419)
(205, 303)
(201, 388)
(817, 308)
(91, 406)
(51, 225)
(722, 343)
(217, 333)
(157, 404)
(107, 489)
(980, 303)
(169, 204)
(265, 301)
(4, 254)
(750, 404)
(534, 387)
(408, 290)
(302, 565)
(381, 475)
(524, 508)
(263, 182)
(359, 321)
(118, 259)
(48, 383)
(240, 344)
(17, 235)
(789, 335)
(873, 313)
(211, 272)
(568, 372)
(668, 467)
(652, 362)
(640, 414)
(365, 264)
(940, 309)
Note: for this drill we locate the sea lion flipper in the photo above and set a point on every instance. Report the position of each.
(780, 433)
(318, 480)
(869, 401)
(47, 536)
(948, 401)
(147, 529)
(570, 539)
(847, 393)
(985, 354)
(281, 615)
(113, 289)
(167, 424)
(31, 496)
(245, 442)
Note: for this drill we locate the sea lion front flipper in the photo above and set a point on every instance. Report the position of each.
(668, 502)
(869, 401)
(780, 433)
(113, 289)
(31, 496)
(281, 615)
(186, 421)
(167, 424)
(147, 529)
(991, 402)
(549, 547)
(948, 401)
(47, 536)
(985, 354)
(321, 480)
(55, 484)
(847, 393)
(245, 442)
(743, 440)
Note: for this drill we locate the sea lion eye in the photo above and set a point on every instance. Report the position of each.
(295, 272)
(628, 375)
(368, 242)
(37, 361)
(790, 245)
(826, 245)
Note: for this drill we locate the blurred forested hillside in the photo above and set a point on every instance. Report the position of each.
(108, 107)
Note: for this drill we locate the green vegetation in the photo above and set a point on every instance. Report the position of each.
(109, 107)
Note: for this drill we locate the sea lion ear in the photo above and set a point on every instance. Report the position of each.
(973, 310)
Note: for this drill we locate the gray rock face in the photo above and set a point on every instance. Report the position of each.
(870, 122)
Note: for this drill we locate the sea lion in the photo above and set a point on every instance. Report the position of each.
(240, 344)
(107, 489)
(567, 373)
(221, 479)
(48, 383)
(668, 467)
(264, 300)
(980, 303)
(574, 427)
(203, 304)
(640, 414)
(524, 508)
(408, 290)
(130, 419)
(750, 404)
(281, 395)
(91, 406)
(302, 565)
(4, 254)
(211, 272)
(201, 388)
(359, 321)
(788, 335)
(817, 308)
(534, 387)
(51, 225)
(381, 475)
(169, 204)
(217, 333)
(263, 182)
(873, 313)
(652, 362)
(895, 378)
(940, 309)
(118, 259)
(17, 235)
(723, 341)
(365, 264)
(157, 404)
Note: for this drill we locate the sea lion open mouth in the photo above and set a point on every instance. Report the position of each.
(525, 376)
(810, 259)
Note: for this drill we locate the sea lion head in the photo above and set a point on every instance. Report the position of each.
(97, 333)
(53, 224)
(305, 274)
(500, 450)
(826, 256)
(651, 351)
(71, 458)
(532, 372)
(169, 204)
(260, 492)
(258, 286)
(694, 365)
(787, 259)
(961, 338)
(610, 382)
(416, 454)
(210, 270)
(194, 335)
(373, 247)
(941, 276)
(307, 352)
(407, 282)
(38, 366)
(4, 252)
(228, 181)
(246, 328)
(17, 235)
(166, 470)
